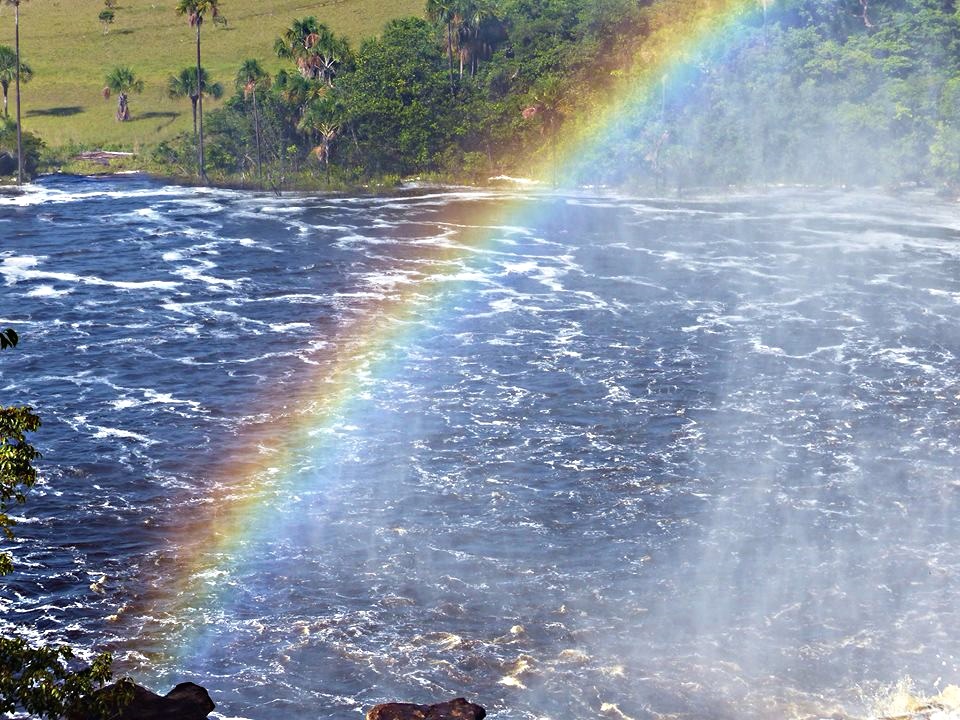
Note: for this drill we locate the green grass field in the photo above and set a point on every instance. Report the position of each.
(64, 44)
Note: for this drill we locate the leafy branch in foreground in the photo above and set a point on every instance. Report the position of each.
(42, 681)
(16, 467)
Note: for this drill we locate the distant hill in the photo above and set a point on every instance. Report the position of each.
(65, 45)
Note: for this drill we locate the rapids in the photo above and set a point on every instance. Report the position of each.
(617, 458)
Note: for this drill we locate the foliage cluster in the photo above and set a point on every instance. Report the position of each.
(811, 91)
(64, 44)
(43, 681)
(838, 91)
(32, 146)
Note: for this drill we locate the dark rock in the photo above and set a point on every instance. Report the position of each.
(458, 709)
(8, 163)
(187, 701)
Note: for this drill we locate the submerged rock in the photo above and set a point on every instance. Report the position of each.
(456, 709)
(187, 701)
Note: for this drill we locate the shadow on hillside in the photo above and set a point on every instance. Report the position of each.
(63, 111)
(169, 115)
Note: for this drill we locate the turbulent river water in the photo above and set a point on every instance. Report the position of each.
(627, 458)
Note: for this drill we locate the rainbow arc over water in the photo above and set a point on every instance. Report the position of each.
(679, 36)
(680, 32)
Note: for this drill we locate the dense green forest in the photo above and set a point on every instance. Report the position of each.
(833, 91)
(707, 93)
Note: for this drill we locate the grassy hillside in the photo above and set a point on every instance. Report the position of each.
(64, 43)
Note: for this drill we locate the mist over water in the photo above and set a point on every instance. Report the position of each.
(634, 458)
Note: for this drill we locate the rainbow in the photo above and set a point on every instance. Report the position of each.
(680, 32)
(260, 470)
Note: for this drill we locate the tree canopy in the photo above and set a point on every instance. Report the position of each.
(122, 81)
(797, 90)
(8, 73)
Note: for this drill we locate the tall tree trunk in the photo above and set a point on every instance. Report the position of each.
(5, 114)
(326, 159)
(256, 132)
(450, 54)
(202, 171)
(194, 99)
(16, 25)
(123, 112)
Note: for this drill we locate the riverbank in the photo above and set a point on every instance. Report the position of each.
(97, 162)
(109, 164)
(84, 162)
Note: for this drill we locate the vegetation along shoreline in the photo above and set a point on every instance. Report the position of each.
(794, 91)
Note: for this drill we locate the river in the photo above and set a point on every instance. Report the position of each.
(567, 455)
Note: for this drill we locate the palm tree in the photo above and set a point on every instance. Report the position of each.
(328, 133)
(444, 11)
(295, 44)
(547, 106)
(106, 17)
(298, 92)
(185, 85)
(315, 49)
(19, 79)
(8, 72)
(251, 77)
(315, 122)
(331, 52)
(196, 11)
(474, 26)
(122, 81)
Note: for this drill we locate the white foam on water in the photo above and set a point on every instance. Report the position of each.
(37, 194)
(196, 274)
(936, 292)
(148, 213)
(905, 356)
(390, 280)
(133, 285)
(287, 327)
(109, 432)
(295, 298)
(466, 276)
(155, 397)
(525, 267)
(48, 291)
(347, 241)
(18, 263)
(21, 268)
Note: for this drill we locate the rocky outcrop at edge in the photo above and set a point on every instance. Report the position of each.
(457, 709)
(187, 701)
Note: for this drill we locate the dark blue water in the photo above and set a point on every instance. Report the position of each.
(627, 458)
